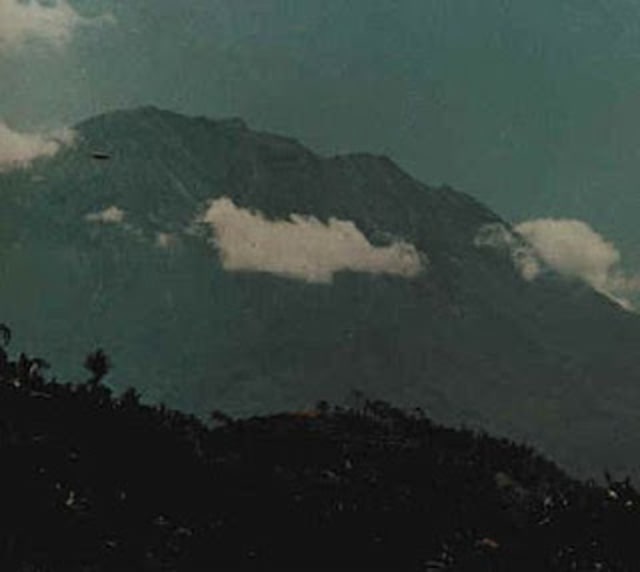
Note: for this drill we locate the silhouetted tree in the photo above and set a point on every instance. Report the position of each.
(219, 418)
(5, 335)
(130, 398)
(5, 339)
(98, 364)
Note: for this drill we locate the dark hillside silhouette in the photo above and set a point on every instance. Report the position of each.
(96, 482)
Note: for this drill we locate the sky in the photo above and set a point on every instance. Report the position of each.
(532, 107)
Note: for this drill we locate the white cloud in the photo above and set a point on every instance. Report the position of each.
(165, 240)
(302, 247)
(574, 249)
(19, 149)
(570, 247)
(110, 215)
(22, 21)
(497, 235)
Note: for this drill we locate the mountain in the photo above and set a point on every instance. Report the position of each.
(221, 268)
(93, 482)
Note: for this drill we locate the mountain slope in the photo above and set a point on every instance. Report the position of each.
(110, 253)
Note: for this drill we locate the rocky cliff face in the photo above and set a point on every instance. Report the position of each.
(228, 269)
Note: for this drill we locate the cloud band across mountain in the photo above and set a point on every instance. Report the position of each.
(302, 247)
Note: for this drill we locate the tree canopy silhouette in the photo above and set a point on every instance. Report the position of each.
(98, 364)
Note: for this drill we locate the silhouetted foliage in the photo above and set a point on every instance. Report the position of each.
(95, 482)
(98, 364)
(5, 335)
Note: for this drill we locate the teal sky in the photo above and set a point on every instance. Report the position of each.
(531, 106)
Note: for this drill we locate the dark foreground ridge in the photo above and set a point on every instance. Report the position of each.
(95, 482)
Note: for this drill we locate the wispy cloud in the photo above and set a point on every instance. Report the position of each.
(499, 236)
(302, 247)
(20, 149)
(574, 249)
(23, 23)
(165, 240)
(53, 22)
(570, 247)
(109, 215)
